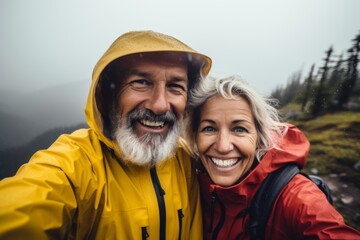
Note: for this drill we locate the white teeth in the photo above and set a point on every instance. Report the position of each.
(152, 124)
(224, 162)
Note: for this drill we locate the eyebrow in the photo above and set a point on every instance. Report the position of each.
(143, 74)
(233, 122)
(240, 121)
(139, 73)
(208, 120)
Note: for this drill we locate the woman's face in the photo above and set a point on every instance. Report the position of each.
(226, 139)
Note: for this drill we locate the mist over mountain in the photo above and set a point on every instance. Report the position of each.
(12, 158)
(24, 115)
(16, 130)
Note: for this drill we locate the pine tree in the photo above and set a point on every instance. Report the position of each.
(308, 83)
(351, 73)
(319, 103)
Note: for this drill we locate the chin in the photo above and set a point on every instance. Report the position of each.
(225, 182)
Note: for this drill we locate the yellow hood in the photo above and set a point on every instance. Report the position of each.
(130, 43)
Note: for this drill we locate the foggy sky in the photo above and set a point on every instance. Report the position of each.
(44, 43)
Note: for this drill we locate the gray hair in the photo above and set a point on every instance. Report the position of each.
(269, 127)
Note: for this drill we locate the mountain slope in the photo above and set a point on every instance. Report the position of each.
(15, 130)
(25, 115)
(11, 159)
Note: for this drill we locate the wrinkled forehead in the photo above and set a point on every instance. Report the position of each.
(170, 58)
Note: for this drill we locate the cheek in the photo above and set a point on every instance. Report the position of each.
(179, 103)
(249, 145)
(127, 101)
(203, 143)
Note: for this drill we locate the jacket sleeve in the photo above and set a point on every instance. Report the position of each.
(308, 215)
(41, 200)
(36, 202)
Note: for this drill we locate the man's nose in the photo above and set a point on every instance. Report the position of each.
(158, 102)
(224, 143)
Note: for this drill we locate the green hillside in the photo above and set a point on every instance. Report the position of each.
(335, 154)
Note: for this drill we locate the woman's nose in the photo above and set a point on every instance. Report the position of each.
(224, 143)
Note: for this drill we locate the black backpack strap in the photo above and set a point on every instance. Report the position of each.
(321, 185)
(264, 199)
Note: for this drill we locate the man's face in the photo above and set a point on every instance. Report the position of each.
(157, 85)
(151, 103)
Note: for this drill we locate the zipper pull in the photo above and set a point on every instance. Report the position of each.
(144, 234)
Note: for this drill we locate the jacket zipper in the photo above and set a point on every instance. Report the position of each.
(180, 216)
(212, 209)
(218, 227)
(161, 202)
(144, 233)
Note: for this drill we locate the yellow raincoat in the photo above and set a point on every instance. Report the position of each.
(79, 188)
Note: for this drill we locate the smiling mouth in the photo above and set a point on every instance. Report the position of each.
(224, 163)
(152, 124)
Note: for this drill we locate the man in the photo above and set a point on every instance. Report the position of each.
(128, 176)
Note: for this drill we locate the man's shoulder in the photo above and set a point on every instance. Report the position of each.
(78, 156)
(78, 145)
(86, 137)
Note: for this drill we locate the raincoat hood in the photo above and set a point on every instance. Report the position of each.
(132, 43)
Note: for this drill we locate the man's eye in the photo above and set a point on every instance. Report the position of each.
(140, 84)
(177, 88)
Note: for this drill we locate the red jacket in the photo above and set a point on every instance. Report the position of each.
(300, 211)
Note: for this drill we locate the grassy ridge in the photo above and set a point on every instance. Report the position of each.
(335, 149)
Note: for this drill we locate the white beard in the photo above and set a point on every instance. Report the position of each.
(149, 149)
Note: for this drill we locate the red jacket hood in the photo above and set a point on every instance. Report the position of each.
(294, 148)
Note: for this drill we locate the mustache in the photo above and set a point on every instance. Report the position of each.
(146, 114)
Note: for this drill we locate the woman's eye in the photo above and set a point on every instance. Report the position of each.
(240, 130)
(208, 129)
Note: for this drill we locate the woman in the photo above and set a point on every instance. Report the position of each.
(238, 137)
